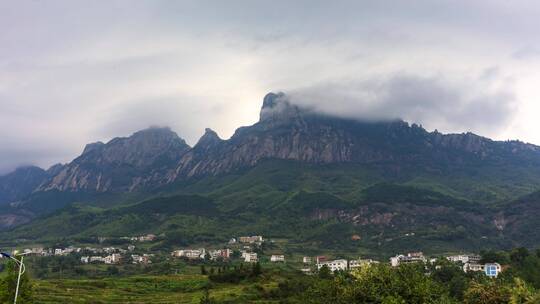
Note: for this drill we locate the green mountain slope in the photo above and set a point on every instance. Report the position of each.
(314, 207)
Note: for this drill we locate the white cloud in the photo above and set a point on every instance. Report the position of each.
(78, 72)
(483, 104)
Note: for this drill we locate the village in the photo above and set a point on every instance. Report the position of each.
(243, 249)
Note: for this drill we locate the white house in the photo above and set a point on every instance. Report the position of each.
(220, 253)
(360, 262)
(85, 259)
(251, 239)
(277, 258)
(464, 258)
(114, 258)
(140, 259)
(413, 257)
(250, 257)
(334, 265)
(190, 253)
(490, 269)
(96, 259)
(306, 260)
(473, 267)
(143, 238)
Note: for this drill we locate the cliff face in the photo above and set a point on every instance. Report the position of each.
(157, 156)
(123, 164)
(286, 131)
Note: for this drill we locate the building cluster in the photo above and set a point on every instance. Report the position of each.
(256, 239)
(114, 255)
(412, 257)
(246, 246)
(220, 253)
(107, 255)
(341, 264)
(489, 269)
(250, 257)
(142, 238)
(464, 258)
(38, 251)
(114, 258)
(469, 262)
(202, 254)
(117, 258)
(192, 254)
(141, 259)
(277, 258)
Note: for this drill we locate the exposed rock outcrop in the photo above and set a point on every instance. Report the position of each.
(157, 156)
(123, 164)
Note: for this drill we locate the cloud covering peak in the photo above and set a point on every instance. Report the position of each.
(73, 72)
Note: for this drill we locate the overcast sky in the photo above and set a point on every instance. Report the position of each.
(73, 72)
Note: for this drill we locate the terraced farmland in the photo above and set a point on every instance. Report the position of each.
(143, 289)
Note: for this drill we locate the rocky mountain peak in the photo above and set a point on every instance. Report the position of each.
(19, 183)
(55, 169)
(277, 108)
(92, 146)
(153, 136)
(208, 140)
(143, 147)
(122, 164)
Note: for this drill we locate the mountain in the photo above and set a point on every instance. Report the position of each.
(298, 174)
(285, 131)
(16, 187)
(122, 164)
(155, 157)
(308, 205)
(20, 183)
(519, 219)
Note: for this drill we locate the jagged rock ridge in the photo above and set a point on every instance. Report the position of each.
(286, 131)
(123, 164)
(157, 156)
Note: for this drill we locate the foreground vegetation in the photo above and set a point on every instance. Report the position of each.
(441, 282)
(315, 207)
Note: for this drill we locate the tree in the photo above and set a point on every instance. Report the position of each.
(8, 285)
(236, 254)
(203, 270)
(494, 257)
(518, 255)
(324, 273)
(488, 293)
(453, 277)
(521, 292)
(256, 270)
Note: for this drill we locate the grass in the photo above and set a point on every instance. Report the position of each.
(145, 289)
(313, 206)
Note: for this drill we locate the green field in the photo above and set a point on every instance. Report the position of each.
(147, 289)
